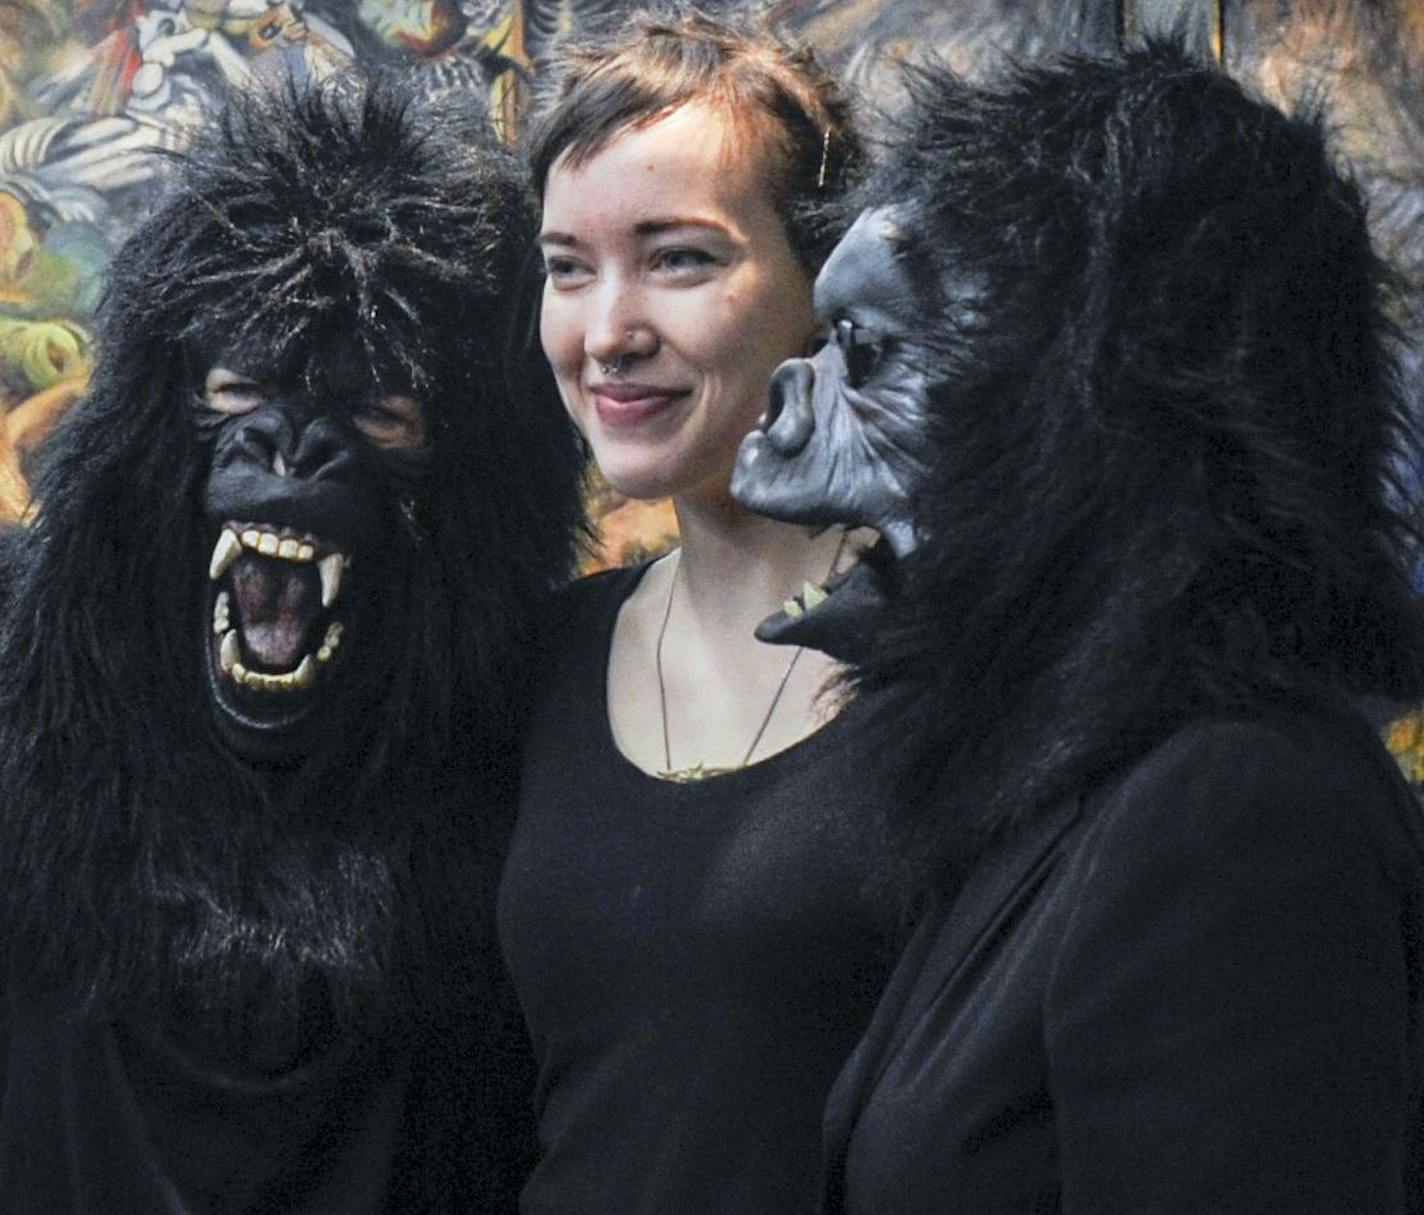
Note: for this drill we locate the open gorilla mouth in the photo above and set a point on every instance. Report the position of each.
(836, 617)
(275, 637)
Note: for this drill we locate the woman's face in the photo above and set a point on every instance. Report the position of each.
(672, 294)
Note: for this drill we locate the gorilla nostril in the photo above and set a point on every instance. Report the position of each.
(773, 409)
(788, 421)
(321, 451)
(262, 438)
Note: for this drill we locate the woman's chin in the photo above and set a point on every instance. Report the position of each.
(643, 470)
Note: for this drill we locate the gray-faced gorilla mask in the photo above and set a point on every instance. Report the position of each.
(843, 437)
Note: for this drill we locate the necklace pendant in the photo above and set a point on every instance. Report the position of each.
(690, 776)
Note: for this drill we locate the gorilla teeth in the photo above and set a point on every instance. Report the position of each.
(268, 683)
(289, 681)
(225, 552)
(228, 653)
(330, 568)
(298, 680)
(221, 620)
(811, 596)
(230, 544)
(329, 642)
(305, 674)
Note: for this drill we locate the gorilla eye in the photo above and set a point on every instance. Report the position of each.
(396, 422)
(227, 391)
(861, 352)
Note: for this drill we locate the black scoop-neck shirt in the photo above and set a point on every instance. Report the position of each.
(694, 961)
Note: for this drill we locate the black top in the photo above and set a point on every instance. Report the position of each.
(694, 961)
(1196, 989)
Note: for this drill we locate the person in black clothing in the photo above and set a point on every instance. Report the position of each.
(1113, 378)
(681, 908)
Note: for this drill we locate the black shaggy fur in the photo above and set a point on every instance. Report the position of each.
(1161, 489)
(143, 866)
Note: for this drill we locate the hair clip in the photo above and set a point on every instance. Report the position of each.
(825, 159)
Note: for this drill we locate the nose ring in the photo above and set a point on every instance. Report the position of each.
(619, 362)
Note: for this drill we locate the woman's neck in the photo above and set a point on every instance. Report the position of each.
(688, 683)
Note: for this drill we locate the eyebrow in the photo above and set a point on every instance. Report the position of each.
(648, 227)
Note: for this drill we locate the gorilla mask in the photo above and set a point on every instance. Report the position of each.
(280, 592)
(310, 386)
(302, 468)
(842, 440)
(1112, 377)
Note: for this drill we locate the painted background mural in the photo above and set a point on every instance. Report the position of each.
(90, 90)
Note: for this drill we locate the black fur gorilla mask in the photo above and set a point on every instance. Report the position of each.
(315, 470)
(1111, 374)
(842, 440)
(279, 596)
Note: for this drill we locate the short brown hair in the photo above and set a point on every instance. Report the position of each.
(654, 63)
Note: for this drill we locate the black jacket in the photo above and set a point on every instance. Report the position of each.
(1196, 988)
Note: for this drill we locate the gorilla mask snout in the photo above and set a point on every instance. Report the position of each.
(842, 441)
(299, 480)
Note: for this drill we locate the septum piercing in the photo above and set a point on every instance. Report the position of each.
(619, 362)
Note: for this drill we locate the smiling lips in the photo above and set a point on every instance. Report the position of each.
(628, 403)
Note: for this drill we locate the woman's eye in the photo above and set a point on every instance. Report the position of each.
(564, 271)
(396, 422)
(861, 351)
(683, 260)
(236, 396)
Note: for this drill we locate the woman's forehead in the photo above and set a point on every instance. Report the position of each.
(696, 160)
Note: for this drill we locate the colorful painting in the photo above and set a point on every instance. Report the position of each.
(93, 91)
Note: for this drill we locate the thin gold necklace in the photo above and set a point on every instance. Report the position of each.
(700, 771)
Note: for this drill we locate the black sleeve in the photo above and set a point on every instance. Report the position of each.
(1230, 1013)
